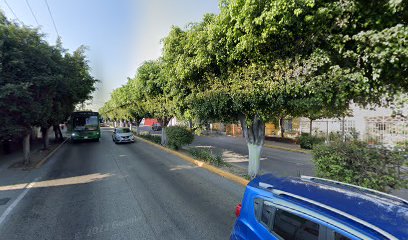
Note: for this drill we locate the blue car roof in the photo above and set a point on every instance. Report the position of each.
(385, 212)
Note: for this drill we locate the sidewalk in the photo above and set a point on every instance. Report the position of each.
(8, 160)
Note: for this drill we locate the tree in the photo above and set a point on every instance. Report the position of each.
(151, 83)
(39, 86)
(257, 60)
(233, 73)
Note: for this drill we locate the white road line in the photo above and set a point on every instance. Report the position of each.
(18, 199)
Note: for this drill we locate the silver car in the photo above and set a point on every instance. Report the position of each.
(122, 135)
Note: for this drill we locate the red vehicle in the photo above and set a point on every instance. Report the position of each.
(148, 122)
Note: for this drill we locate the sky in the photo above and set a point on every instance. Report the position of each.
(120, 34)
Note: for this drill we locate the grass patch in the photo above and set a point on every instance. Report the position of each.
(247, 177)
(207, 155)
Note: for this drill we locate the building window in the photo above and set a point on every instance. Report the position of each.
(381, 126)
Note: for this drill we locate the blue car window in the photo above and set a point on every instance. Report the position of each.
(292, 227)
(267, 215)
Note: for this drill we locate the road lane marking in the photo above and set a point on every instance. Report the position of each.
(18, 199)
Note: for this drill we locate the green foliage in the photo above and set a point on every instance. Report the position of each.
(307, 141)
(357, 163)
(178, 136)
(145, 95)
(40, 84)
(207, 155)
(298, 58)
(257, 61)
(152, 138)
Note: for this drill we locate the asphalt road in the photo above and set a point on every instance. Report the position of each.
(108, 191)
(279, 162)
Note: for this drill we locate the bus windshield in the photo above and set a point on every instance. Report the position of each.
(81, 123)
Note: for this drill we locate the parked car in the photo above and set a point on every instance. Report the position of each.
(122, 135)
(156, 127)
(309, 208)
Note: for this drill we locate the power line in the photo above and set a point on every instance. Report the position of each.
(32, 12)
(52, 18)
(11, 10)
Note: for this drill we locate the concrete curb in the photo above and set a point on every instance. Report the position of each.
(44, 160)
(287, 149)
(211, 168)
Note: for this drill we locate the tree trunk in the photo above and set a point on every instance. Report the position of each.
(163, 122)
(26, 148)
(311, 127)
(164, 139)
(45, 137)
(60, 133)
(282, 127)
(57, 133)
(254, 153)
(255, 136)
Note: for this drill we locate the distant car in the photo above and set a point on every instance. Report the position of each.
(156, 127)
(122, 135)
(309, 208)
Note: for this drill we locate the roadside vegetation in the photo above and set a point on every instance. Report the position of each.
(261, 61)
(357, 163)
(207, 155)
(179, 137)
(307, 141)
(151, 138)
(40, 84)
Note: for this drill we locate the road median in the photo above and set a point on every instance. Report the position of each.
(287, 149)
(232, 177)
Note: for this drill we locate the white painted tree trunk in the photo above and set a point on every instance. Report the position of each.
(164, 140)
(254, 152)
(26, 148)
(254, 134)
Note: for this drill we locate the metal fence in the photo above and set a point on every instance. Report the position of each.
(386, 129)
(325, 127)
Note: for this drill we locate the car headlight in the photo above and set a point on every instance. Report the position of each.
(73, 134)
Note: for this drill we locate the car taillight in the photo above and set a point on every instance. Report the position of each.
(238, 209)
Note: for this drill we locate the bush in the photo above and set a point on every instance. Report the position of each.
(207, 155)
(178, 136)
(356, 163)
(307, 141)
(152, 138)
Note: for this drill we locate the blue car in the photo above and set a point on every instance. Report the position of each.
(309, 208)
